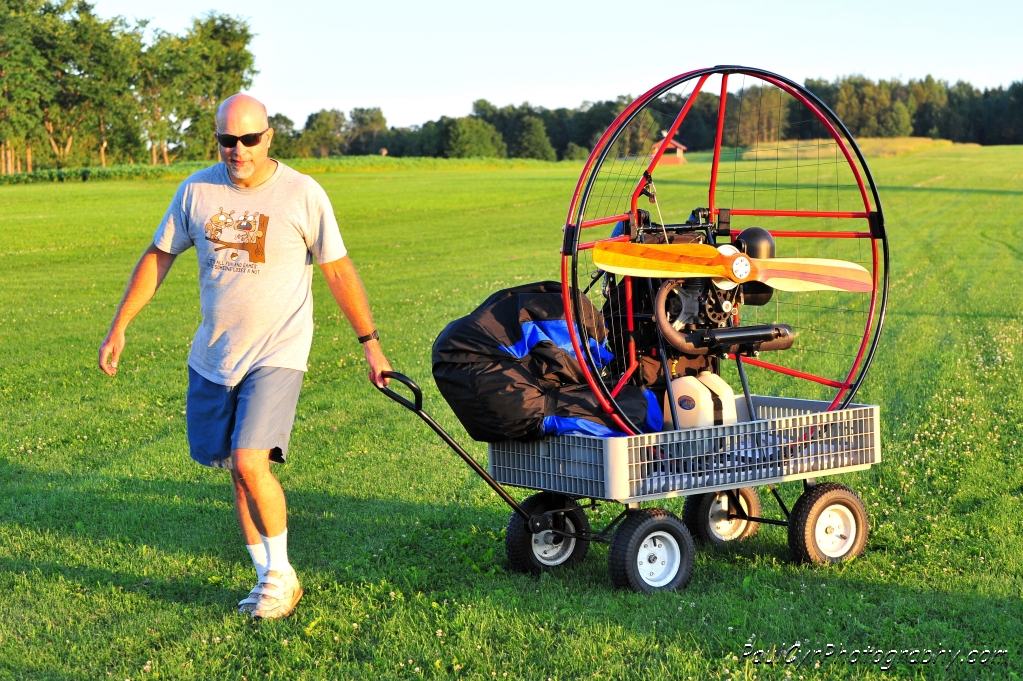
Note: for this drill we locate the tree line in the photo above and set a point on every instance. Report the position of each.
(77, 90)
(925, 108)
(886, 108)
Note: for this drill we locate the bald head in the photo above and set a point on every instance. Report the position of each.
(237, 117)
(240, 110)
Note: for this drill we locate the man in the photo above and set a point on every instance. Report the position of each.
(256, 225)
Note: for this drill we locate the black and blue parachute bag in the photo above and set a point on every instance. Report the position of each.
(509, 372)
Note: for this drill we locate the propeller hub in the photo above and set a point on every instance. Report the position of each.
(741, 267)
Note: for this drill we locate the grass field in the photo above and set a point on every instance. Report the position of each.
(120, 559)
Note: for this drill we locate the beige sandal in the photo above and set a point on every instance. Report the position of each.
(275, 596)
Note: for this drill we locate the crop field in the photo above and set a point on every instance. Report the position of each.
(121, 559)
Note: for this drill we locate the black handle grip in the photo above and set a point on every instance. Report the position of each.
(408, 383)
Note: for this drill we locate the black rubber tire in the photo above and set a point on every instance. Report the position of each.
(807, 511)
(630, 539)
(696, 514)
(519, 541)
(691, 515)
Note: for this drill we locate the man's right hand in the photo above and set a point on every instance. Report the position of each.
(110, 352)
(152, 267)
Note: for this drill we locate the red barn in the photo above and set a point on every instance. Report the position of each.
(676, 159)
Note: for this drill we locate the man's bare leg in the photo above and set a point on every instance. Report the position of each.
(263, 516)
(253, 542)
(259, 498)
(241, 505)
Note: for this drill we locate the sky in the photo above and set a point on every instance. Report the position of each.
(420, 60)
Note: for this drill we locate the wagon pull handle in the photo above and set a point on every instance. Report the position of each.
(417, 407)
(408, 383)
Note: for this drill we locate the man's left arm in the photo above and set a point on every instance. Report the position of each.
(347, 289)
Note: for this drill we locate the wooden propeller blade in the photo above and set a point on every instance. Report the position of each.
(813, 274)
(659, 261)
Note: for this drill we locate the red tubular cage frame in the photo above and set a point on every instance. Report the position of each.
(872, 212)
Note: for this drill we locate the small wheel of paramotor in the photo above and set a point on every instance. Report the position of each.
(706, 516)
(535, 553)
(651, 551)
(828, 524)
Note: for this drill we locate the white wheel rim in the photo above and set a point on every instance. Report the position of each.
(549, 553)
(721, 526)
(835, 531)
(659, 559)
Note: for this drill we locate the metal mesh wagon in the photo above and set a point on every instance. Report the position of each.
(716, 468)
(791, 440)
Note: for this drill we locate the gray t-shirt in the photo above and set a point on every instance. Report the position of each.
(256, 248)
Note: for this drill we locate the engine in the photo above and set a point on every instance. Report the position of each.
(699, 318)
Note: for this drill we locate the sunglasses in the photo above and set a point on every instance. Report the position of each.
(231, 141)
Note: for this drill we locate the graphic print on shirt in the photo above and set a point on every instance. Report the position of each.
(245, 233)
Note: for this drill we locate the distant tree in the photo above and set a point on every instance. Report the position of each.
(287, 142)
(21, 84)
(471, 137)
(367, 131)
(638, 136)
(961, 121)
(929, 98)
(825, 89)
(220, 63)
(1001, 115)
(574, 152)
(79, 89)
(699, 127)
(558, 124)
(524, 128)
(112, 62)
(161, 92)
(507, 120)
(757, 113)
(800, 125)
(417, 140)
(867, 108)
(896, 121)
(1012, 123)
(64, 35)
(591, 119)
(324, 133)
(859, 106)
(481, 108)
(532, 141)
(430, 139)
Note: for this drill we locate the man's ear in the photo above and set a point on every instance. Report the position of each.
(270, 137)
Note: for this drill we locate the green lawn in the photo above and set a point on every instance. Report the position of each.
(120, 558)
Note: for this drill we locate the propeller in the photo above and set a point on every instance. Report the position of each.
(659, 261)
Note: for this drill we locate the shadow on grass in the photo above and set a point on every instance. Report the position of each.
(1012, 248)
(193, 526)
(56, 526)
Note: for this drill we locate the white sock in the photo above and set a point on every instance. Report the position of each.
(259, 558)
(277, 553)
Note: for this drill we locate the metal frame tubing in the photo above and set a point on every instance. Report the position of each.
(854, 157)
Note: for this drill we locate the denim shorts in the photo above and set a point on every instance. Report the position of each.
(258, 413)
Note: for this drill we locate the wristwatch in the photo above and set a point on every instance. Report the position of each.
(373, 336)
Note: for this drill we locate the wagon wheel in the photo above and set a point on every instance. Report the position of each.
(828, 524)
(706, 516)
(651, 551)
(778, 158)
(535, 553)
